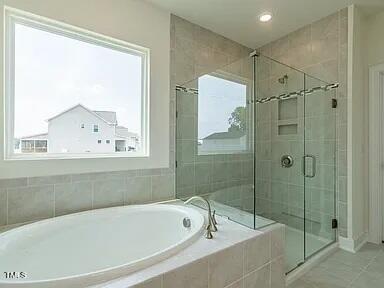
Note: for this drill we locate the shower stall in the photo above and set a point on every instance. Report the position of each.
(257, 138)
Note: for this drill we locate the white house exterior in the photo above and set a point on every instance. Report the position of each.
(223, 142)
(81, 130)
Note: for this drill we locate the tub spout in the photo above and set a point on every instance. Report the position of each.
(211, 227)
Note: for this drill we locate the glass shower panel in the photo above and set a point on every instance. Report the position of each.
(279, 182)
(319, 164)
(214, 141)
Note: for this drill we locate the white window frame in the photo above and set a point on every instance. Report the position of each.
(13, 17)
(248, 84)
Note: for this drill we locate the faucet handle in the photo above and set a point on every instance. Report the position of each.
(214, 217)
(213, 222)
(208, 234)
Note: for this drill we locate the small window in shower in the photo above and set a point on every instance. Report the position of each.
(222, 114)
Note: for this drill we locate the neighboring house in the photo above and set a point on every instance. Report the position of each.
(81, 130)
(223, 142)
(33, 144)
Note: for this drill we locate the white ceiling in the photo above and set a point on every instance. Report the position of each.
(238, 19)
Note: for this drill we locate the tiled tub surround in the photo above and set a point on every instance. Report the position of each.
(235, 257)
(30, 199)
(319, 49)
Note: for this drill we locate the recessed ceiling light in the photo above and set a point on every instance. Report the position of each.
(265, 17)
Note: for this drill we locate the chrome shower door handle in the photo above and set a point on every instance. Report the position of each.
(313, 172)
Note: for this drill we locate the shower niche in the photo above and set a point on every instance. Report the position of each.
(287, 122)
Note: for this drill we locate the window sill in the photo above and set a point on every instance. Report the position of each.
(29, 157)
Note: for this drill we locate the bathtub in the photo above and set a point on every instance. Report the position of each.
(90, 247)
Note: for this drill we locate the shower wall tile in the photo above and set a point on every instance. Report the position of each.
(225, 178)
(319, 49)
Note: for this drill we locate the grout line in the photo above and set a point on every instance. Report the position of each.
(54, 200)
(7, 207)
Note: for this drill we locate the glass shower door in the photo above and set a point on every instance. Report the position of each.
(279, 141)
(319, 165)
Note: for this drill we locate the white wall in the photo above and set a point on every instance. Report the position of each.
(357, 131)
(366, 45)
(373, 42)
(128, 20)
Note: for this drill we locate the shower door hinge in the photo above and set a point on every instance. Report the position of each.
(177, 114)
(334, 223)
(176, 164)
(334, 103)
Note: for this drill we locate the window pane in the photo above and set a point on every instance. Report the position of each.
(63, 85)
(222, 116)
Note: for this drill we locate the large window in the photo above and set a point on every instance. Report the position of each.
(222, 114)
(67, 88)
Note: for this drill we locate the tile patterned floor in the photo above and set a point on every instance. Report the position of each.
(364, 269)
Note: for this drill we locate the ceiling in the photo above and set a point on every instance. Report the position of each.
(238, 19)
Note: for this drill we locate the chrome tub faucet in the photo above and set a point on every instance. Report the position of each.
(211, 227)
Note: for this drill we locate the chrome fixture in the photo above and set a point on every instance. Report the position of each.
(313, 170)
(286, 161)
(283, 79)
(214, 219)
(187, 222)
(211, 227)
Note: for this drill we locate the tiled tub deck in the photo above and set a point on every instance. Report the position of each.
(237, 257)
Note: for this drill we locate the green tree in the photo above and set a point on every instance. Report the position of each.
(237, 120)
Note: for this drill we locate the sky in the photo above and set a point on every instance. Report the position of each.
(218, 98)
(54, 73)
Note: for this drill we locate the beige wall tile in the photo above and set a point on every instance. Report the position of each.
(10, 183)
(108, 193)
(138, 190)
(152, 283)
(226, 266)
(30, 203)
(163, 187)
(259, 278)
(3, 207)
(257, 252)
(73, 197)
(277, 242)
(278, 273)
(237, 284)
(49, 180)
(194, 275)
